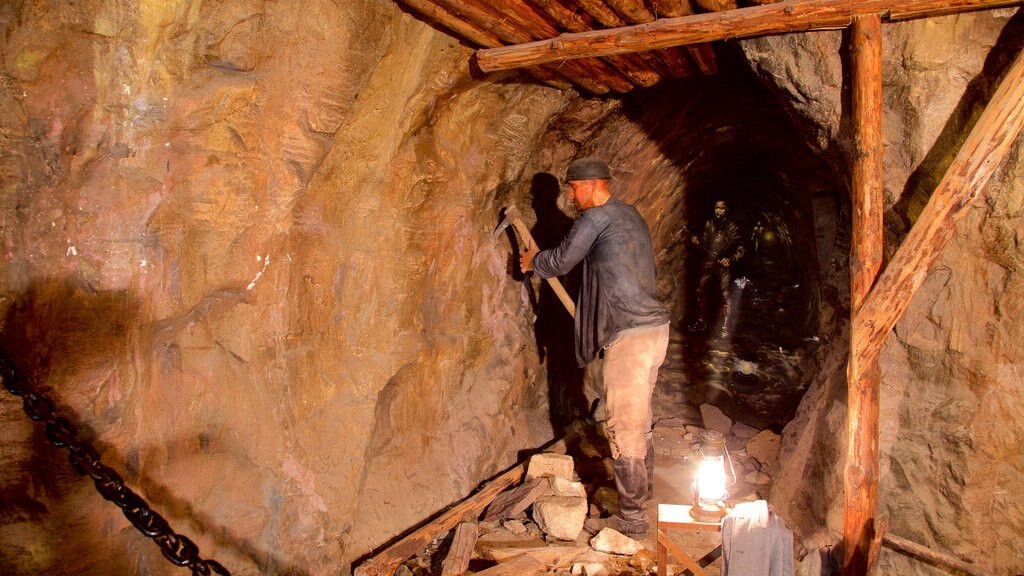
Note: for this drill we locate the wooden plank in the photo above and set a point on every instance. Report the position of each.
(676, 61)
(981, 154)
(507, 32)
(385, 562)
(522, 565)
(671, 59)
(461, 552)
(717, 5)
(875, 549)
(681, 556)
(861, 473)
(678, 516)
(480, 37)
(632, 10)
(602, 13)
(704, 56)
(512, 502)
(778, 18)
(510, 21)
(547, 555)
(635, 67)
(662, 559)
(671, 8)
(914, 549)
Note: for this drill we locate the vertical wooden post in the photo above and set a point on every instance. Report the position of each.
(861, 475)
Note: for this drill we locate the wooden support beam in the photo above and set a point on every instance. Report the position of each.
(717, 5)
(778, 18)
(508, 32)
(671, 8)
(481, 38)
(533, 23)
(914, 549)
(638, 69)
(511, 25)
(632, 10)
(861, 474)
(602, 13)
(522, 565)
(704, 56)
(461, 551)
(675, 63)
(980, 155)
(385, 562)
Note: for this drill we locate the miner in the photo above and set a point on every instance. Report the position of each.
(618, 319)
(722, 247)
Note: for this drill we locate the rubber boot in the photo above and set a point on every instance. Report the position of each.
(631, 484)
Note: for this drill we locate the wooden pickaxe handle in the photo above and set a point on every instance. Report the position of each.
(526, 239)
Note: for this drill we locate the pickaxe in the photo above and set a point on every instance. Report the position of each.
(526, 240)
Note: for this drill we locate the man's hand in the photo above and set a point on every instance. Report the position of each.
(526, 259)
(694, 239)
(724, 262)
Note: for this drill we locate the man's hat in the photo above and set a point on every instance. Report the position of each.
(588, 169)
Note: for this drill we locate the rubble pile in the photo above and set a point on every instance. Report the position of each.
(537, 526)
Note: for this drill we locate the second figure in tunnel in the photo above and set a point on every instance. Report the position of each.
(722, 247)
(620, 320)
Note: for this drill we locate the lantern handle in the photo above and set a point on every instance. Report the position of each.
(732, 471)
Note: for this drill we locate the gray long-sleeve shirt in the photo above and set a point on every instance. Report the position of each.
(619, 279)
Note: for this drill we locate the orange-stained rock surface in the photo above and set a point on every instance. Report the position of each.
(248, 248)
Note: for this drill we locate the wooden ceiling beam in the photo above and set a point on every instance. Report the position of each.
(632, 10)
(671, 8)
(780, 18)
(512, 21)
(481, 37)
(717, 5)
(702, 55)
(673, 65)
(635, 67)
(579, 73)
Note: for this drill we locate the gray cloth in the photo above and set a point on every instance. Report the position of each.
(618, 285)
(756, 542)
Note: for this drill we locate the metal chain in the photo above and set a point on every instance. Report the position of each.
(84, 458)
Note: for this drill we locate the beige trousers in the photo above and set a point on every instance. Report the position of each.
(629, 373)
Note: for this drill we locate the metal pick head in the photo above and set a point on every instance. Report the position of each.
(511, 213)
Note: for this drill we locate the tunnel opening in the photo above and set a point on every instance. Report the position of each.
(743, 335)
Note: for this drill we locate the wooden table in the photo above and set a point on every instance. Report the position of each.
(677, 517)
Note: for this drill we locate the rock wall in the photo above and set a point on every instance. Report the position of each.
(248, 248)
(951, 371)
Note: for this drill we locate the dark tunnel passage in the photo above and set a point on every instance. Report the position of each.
(745, 329)
(743, 334)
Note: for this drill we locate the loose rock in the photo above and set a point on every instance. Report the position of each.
(546, 464)
(715, 419)
(612, 541)
(560, 517)
(764, 447)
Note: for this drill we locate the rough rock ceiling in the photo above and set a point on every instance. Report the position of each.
(495, 23)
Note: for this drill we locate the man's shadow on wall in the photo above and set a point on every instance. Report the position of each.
(55, 332)
(554, 328)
